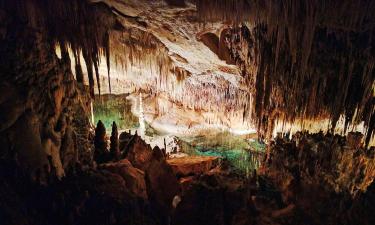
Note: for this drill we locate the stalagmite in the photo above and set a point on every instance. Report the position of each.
(100, 143)
(114, 145)
(201, 78)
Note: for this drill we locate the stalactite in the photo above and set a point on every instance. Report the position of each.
(79, 24)
(107, 54)
(95, 62)
(319, 64)
(90, 73)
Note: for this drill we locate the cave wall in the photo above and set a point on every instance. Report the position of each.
(44, 108)
(38, 94)
(329, 178)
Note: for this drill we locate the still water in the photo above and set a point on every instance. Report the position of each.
(242, 153)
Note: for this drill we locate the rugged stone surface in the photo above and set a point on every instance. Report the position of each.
(162, 184)
(283, 52)
(138, 152)
(318, 66)
(323, 176)
(192, 165)
(211, 199)
(179, 72)
(89, 197)
(41, 88)
(341, 163)
(134, 178)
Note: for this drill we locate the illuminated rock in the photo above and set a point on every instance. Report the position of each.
(193, 165)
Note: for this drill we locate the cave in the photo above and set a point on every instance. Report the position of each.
(187, 112)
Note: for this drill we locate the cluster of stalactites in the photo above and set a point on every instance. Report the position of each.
(82, 26)
(142, 51)
(311, 59)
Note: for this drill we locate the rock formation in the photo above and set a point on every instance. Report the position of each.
(192, 165)
(254, 64)
(134, 178)
(101, 153)
(284, 55)
(340, 163)
(114, 145)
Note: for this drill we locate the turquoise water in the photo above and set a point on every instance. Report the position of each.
(244, 155)
(237, 150)
(240, 159)
(109, 108)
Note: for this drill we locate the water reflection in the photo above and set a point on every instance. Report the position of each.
(242, 152)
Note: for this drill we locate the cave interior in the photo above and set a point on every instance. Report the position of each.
(187, 112)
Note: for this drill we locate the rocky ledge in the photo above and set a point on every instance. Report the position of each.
(192, 165)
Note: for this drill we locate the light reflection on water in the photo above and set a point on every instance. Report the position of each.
(242, 153)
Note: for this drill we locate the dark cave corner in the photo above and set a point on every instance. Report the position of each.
(60, 163)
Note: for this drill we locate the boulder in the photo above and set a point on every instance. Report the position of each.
(162, 184)
(139, 153)
(134, 178)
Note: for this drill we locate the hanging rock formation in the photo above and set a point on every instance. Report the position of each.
(294, 60)
(305, 59)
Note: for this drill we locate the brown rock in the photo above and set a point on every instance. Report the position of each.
(134, 178)
(162, 184)
(139, 153)
(124, 140)
(355, 140)
(192, 165)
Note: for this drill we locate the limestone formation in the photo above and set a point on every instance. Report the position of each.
(237, 66)
(134, 178)
(114, 145)
(193, 165)
(329, 160)
(286, 50)
(139, 153)
(101, 153)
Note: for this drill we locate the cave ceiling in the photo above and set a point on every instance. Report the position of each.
(265, 60)
(295, 60)
(313, 59)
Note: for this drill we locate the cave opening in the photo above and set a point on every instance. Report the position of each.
(187, 112)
